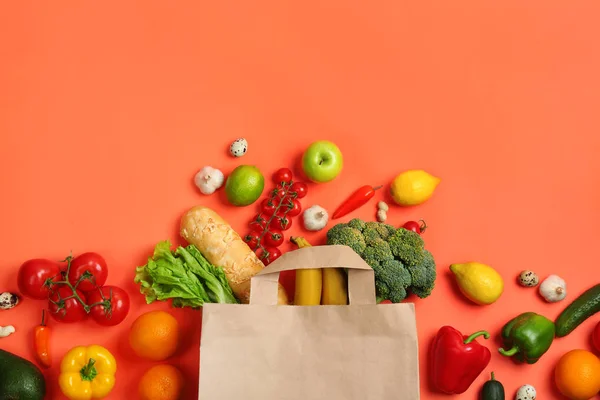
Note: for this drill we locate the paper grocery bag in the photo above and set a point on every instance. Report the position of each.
(262, 351)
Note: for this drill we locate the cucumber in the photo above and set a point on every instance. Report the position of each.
(492, 390)
(583, 307)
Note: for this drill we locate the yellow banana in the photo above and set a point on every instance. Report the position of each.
(335, 288)
(309, 282)
(333, 283)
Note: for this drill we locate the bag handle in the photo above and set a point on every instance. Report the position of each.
(361, 278)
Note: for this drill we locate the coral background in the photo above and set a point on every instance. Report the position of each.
(108, 109)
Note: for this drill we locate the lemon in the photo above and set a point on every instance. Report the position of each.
(478, 282)
(244, 185)
(413, 187)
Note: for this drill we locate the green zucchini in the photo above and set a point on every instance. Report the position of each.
(583, 307)
(492, 390)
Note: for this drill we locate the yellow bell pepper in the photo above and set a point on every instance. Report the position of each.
(87, 373)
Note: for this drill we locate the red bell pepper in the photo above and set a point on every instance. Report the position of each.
(456, 360)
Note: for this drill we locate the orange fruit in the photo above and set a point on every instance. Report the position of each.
(577, 375)
(161, 382)
(154, 335)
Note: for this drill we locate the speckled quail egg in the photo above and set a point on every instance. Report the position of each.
(526, 392)
(528, 278)
(239, 147)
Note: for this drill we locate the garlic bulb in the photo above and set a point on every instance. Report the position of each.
(553, 289)
(315, 218)
(209, 179)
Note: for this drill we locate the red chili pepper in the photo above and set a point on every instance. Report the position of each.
(41, 343)
(356, 200)
(457, 360)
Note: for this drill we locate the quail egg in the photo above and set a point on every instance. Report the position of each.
(528, 279)
(239, 147)
(526, 392)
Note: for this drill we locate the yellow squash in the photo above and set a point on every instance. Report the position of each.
(335, 287)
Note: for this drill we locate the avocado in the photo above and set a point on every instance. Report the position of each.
(20, 379)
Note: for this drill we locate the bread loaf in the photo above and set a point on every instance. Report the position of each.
(223, 247)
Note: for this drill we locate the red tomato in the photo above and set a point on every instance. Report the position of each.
(259, 223)
(88, 271)
(279, 193)
(273, 238)
(300, 189)
(282, 175)
(268, 207)
(111, 309)
(596, 337)
(268, 254)
(33, 276)
(295, 209)
(63, 307)
(274, 253)
(415, 226)
(281, 223)
(252, 239)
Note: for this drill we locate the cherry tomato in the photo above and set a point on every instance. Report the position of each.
(116, 308)
(94, 265)
(33, 276)
(300, 189)
(282, 175)
(258, 223)
(279, 193)
(296, 208)
(596, 337)
(268, 207)
(268, 254)
(273, 238)
(415, 226)
(281, 223)
(252, 239)
(65, 308)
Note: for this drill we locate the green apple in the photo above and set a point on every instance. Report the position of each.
(322, 161)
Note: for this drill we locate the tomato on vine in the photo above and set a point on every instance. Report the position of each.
(300, 189)
(35, 276)
(252, 239)
(273, 238)
(109, 305)
(87, 271)
(281, 223)
(64, 306)
(282, 175)
(268, 207)
(259, 223)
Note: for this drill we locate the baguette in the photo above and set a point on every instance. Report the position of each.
(223, 247)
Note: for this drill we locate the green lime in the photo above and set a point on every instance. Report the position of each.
(244, 185)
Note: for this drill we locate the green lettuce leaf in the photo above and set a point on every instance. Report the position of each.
(184, 276)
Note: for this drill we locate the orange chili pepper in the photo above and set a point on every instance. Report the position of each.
(41, 343)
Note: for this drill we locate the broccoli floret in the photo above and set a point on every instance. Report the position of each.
(379, 250)
(421, 293)
(382, 231)
(357, 223)
(370, 235)
(348, 237)
(423, 275)
(391, 281)
(408, 246)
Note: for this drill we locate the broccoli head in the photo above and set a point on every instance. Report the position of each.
(391, 281)
(408, 246)
(342, 234)
(398, 257)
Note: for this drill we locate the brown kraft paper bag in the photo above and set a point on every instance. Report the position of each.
(262, 351)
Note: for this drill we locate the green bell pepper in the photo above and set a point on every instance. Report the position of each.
(527, 337)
